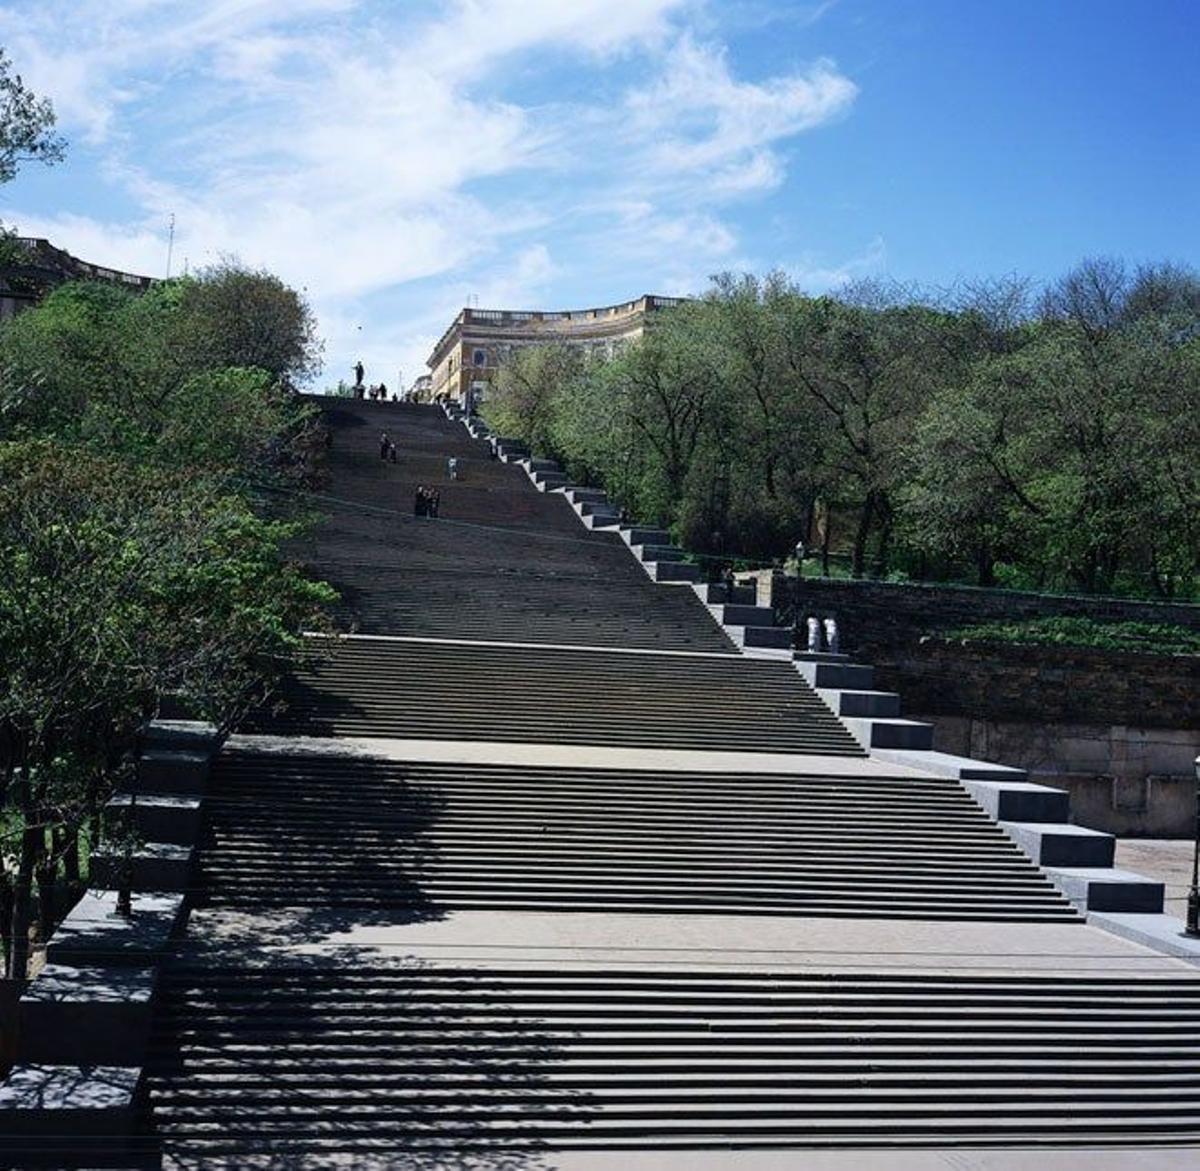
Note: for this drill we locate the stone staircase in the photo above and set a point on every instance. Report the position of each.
(751, 627)
(83, 1024)
(662, 561)
(1036, 817)
(390, 959)
(321, 830)
(549, 695)
(467, 1062)
(500, 563)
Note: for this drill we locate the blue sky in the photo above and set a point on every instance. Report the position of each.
(397, 158)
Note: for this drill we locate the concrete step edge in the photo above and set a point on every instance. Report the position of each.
(1107, 889)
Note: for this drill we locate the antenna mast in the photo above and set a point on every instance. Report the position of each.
(170, 242)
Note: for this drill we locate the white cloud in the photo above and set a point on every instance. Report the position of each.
(478, 34)
(356, 149)
(814, 277)
(94, 56)
(519, 284)
(704, 121)
(137, 248)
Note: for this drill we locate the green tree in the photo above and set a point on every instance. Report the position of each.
(26, 125)
(97, 366)
(866, 365)
(1041, 442)
(120, 586)
(664, 387)
(231, 315)
(135, 567)
(1066, 448)
(26, 136)
(959, 500)
(522, 400)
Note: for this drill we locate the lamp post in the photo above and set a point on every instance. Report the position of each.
(1193, 902)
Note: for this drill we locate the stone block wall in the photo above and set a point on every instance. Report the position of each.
(1059, 685)
(1120, 731)
(1130, 781)
(884, 615)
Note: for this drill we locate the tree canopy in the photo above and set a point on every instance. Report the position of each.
(140, 567)
(997, 435)
(26, 125)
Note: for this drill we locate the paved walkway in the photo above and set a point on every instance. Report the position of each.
(920, 1159)
(558, 940)
(578, 756)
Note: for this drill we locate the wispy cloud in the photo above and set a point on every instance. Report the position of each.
(364, 150)
(815, 277)
(706, 123)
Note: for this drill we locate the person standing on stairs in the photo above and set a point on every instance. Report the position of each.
(392, 450)
(385, 444)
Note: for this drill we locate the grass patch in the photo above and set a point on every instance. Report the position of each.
(1147, 638)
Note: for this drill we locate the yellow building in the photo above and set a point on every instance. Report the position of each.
(467, 355)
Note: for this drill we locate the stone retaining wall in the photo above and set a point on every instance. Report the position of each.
(997, 681)
(1119, 730)
(1125, 780)
(875, 614)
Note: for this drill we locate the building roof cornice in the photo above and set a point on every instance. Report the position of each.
(534, 323)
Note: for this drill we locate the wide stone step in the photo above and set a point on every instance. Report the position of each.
(1108, 889)
(776, 637)
(1020, 801)
(657, 552)
(721, 592)
(175, 771)
(874, 733)
(282, 830)
(577, 495)
(645, 535)
(88, 1109)
(94, 1015)
(838, 676)
(546, 695)
(180, 735)
(933, 902)
(884, 704)
(153, 866)
(733, 614)
(1062, 845)
(673, 571)
(201, 988)
(632, 1057)
(159, 817)
(695, 1100)
(95, 933)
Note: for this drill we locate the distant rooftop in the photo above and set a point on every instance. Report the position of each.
(59, 265)
(551, 321)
